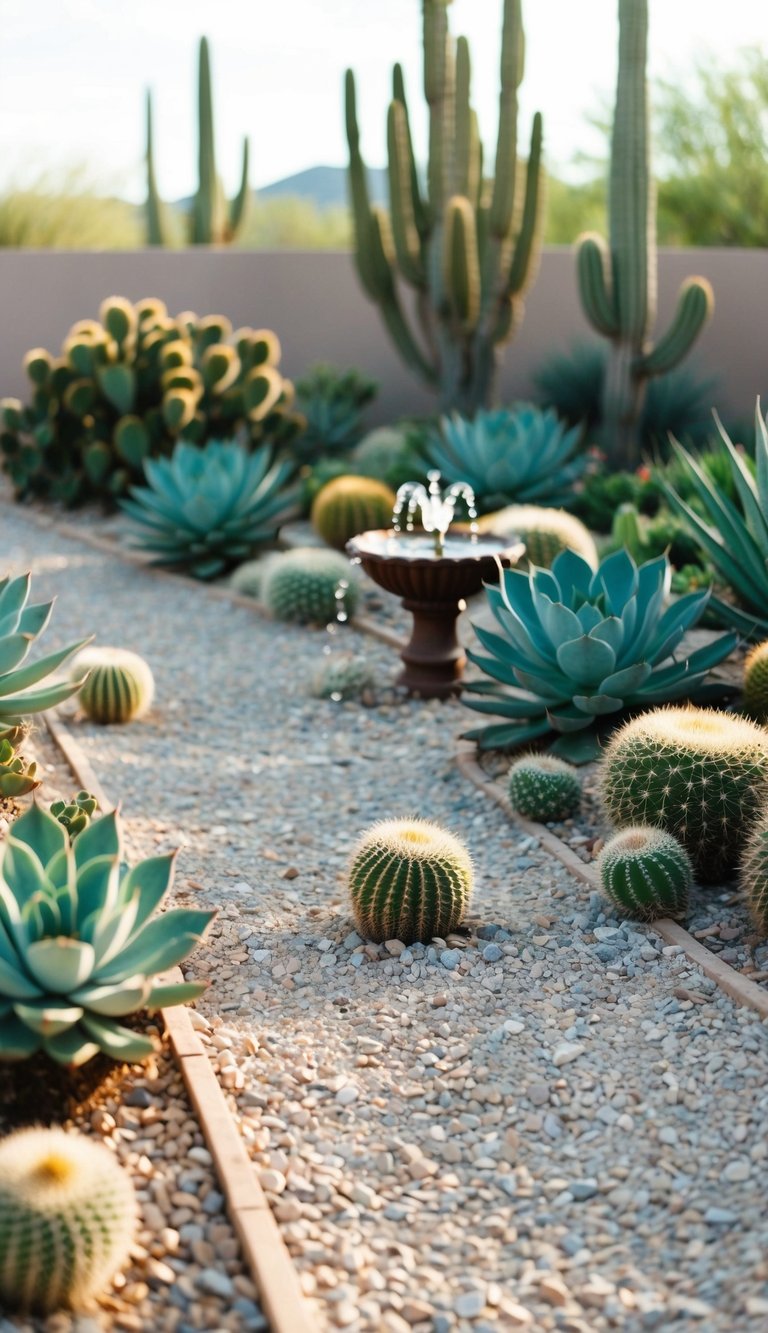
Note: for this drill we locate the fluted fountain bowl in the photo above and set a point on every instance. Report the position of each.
(433, 588)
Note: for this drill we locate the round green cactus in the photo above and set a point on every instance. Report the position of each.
(545, 532)
(542, 787)
(409, 880)
(754, 873)
(756, 682)
(700, 774)
(646, 872)
(67, 1219)
(120, 686)
(348, 506)
(310, 585)
(343, 676)
(248, 578)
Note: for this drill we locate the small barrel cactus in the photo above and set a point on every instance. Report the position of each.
(67, 1218)
(409, 880)
(646, 872)
(343, 676)
(311, 585)
(248, 578)
(754, 873)
(75, 815)
(348, 506)
(543, 787)
(545, 533)
(756, 682)
(698, 773)
(120, 686)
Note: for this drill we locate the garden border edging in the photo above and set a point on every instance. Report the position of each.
(264, 1249)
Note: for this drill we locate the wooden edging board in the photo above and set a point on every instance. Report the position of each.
(264, 1249)
(739, 987)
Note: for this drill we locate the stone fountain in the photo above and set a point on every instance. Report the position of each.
(433, 572)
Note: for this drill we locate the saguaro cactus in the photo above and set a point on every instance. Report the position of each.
(618, 283)
(468, 247)
(212, 221)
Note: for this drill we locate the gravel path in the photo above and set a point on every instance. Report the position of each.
(551, 1123)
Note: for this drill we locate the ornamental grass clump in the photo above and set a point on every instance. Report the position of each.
(646, 872)
(409, 880)
(542, 787)
(579, 647)
(81, 945)
(67, 1219)
(700, 774)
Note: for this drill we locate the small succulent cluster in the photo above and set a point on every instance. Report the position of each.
(205, 510)
(310, 585)
(343, 676)
(332, 403)
(756, 682)
(127, 386)
(120, 686)
(350, 505)
(67, 1218)
(409, 880)
(646, 872)
(17, 777)
(542, 787)
(700, 774)
(544, 532)
(75, 815)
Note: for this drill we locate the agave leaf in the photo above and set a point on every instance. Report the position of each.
(13, 650)
(98, 886)
(586, 660)
(597, 705)
(610, 631)
(577, 747)
(15, 985)
(496, 668)
(505, 736)
(761, 450)
(554, 688)
(41, 833)
(572, 573)
(38, 701)
(22, 873)
(617, 576)
(36, 671)
(679, 617)
(124, 997)
(568, 719)
(746, 489)
(47, 1018)
(62, 964)
(13, 596)
(627, 681)
(17, 1041)
(753, 628)
(165, 997)
(110, 931)
(161, 943)
(101, 838)
(72, 1048)
(119, 1042)
(560, 622)
(34, 619)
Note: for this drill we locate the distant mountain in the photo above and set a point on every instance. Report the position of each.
(324, 186)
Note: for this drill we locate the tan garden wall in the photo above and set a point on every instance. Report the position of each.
(314, 303)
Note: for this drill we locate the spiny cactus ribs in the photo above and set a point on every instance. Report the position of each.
(311, 586)
(119, 688)
(542, 787)
(756, 682)
(409, 880)
(700, 774)
(646, 872)
(350, 505)
(754, 873)
(67, 1217)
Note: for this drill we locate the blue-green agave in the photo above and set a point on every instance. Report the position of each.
(734, 535)
(80, 944)
(579, 646)
(520, 455)
(20, 626)
(206, 510)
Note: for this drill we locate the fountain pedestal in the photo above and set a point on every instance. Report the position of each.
(433, 588)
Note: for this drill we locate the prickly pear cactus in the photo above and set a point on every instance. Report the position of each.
(348, 506)
(310, 585)
(409, 880)
(67, 1218)
(542, 787)
(756, 682)
(700, 774)
(646, 872)
(119, 688)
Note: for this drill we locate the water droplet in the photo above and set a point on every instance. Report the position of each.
(336, 697)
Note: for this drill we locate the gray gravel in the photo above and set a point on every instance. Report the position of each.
(550, 1123)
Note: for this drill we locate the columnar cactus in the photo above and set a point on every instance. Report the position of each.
(464, 244)
(348, 506)
(756, 682)
(67, 1218)
(542, 787)
(310, 585)
(700, 774)
(646, 872)
(409, 880)
(753, 872)
(618, 282)
(120, 686)
(212, 221)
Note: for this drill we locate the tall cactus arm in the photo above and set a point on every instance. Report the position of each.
(359, 197)
(204, 215)
(404, 230)
(631, 194)
(461, 266)
(420, 210)
(595, 287)
(386, 297)
(238, 209)
(525, 260)
(512, 60)
(439, 78)
(467, 155)
(154, 216)
(695, 304)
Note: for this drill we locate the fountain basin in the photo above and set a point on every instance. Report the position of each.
(433, 588)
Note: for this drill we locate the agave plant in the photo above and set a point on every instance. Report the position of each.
(734, 533)
(80, 946)
(206, 510)
(20, 626)
(517, 456)
(332, 403)
(578, 647)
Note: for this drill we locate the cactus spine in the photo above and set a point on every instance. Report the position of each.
(67, 1217)
(756, 682)
(542, 787)
(409, 880)
(120, 686)
(646, 872)
(212, 221)
(618, 283)
(469, 252)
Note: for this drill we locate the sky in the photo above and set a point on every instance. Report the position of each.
(73, 75)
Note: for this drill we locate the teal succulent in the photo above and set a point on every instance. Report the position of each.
(519, 455)
(75, 815)
(80, 944)
(579, 647)
(206, 510)
(332, 403)
(20, 625)
(734, 534)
